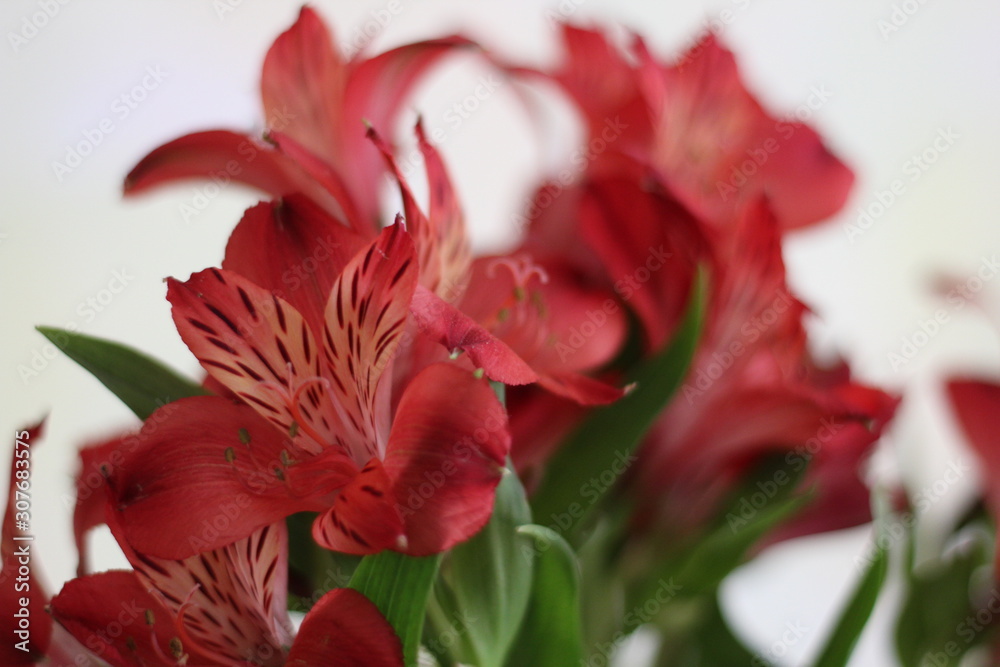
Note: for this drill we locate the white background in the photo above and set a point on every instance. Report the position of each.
(61, 241)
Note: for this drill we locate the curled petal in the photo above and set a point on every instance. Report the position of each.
(363, 518)
(447, 325)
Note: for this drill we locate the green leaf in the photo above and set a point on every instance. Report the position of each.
(937, 618)
(400, 587)
(704, 638)
(838, 648)
(551, 633)
(140, 381)
(484, 585)
(725, 549)
(585, 467)
(768, 496)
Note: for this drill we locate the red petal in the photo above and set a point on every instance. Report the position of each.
(345, 629)
(439, 237)
(324, 173)
(302, 86)
(456, 331)
(446, 454)
(365, 318)
(204, 473)
(224, 157)
(109, 612)
(97, 462)
(261, 348)
(293, 249)
(603, 83)
(722, 149)
(363, 519)
(231, 602)
(977, 405)
(650, 246)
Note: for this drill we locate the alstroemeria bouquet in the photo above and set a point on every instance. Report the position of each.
(505, 460)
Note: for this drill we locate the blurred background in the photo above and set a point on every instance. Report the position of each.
(905, 91)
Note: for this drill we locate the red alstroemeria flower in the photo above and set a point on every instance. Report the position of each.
(536, 312)
(976, 403)
(560, 328)
(316, 105)
(321, 426)
(699, 127)
(752, 392)
(224, 607)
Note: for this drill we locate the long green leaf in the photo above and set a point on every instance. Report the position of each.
(551, 633)
(838, 648)
(141, 382)
(584, 469)
(400, 587)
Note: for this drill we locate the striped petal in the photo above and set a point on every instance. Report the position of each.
(261, 348)
(439, 236)
(363, 518)
(230, 602)
(114, 615)
(293, 249)
(365, 318)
